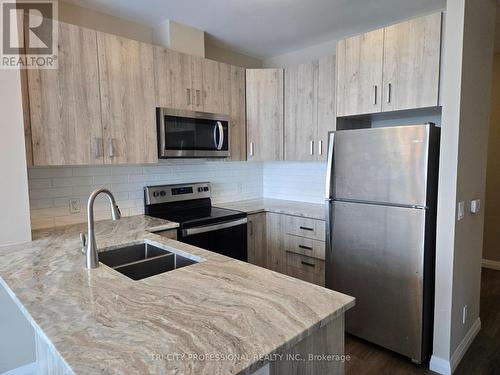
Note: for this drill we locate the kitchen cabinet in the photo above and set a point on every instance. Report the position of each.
(301, 110)
(309, 108)
(126, 80)
(64, 112)
(305, 268)
(275, 242)
(257, 244)
(326, 118)
(394, 68)
(233, 78)
(264, 104)
(411, 64)
(359, 73)
(173, 79)
(212, 86)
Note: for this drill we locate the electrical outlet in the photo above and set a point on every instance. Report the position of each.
(74, 206)
(465, 314)
(460, 210)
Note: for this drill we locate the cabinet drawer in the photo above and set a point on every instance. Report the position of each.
(305, 268)
(310, 228)
(305, 246)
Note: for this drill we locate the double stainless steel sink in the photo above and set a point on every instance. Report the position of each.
(143, 260)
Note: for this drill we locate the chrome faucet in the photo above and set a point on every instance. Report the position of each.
(91, 252)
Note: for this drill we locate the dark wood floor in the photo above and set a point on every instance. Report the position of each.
(482, 358)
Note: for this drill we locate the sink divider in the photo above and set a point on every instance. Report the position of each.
(144, 260)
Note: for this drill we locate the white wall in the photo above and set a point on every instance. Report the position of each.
(52, 188)
(466, 92)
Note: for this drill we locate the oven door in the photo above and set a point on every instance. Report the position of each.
(227, 238)
(184, 134)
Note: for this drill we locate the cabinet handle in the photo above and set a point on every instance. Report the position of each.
(251, 227)
(389, 89)
(311, 151)
(111, 150)
(307, 264)
(307, 228)
(97, 146)
(188, 96)
(375, 89)
(305, 247)
(198, 98)
(320, 147)
(251, 148)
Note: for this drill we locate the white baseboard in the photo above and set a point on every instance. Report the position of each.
(461, 349)
(492, 264)
(29, 369)
(447, 367)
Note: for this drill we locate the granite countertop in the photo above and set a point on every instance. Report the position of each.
(100, 321)
(280, 206)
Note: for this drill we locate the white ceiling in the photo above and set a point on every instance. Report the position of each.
(266, 28)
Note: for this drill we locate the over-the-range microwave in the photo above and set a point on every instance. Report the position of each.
(189, 134)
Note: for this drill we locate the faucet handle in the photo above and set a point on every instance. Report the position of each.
(83, 240)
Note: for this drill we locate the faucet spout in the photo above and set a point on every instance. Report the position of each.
(92, 255)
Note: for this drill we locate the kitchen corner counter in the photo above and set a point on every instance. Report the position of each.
(280, 206)
(100, 321)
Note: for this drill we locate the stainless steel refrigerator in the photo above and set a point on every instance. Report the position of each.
(381, 207)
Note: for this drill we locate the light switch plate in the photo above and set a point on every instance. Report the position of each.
(475, 206)
(460, 210)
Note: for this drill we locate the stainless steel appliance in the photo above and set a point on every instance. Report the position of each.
(381, 206)
(188, 134)
(216, 229)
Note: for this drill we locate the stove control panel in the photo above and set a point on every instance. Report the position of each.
(175, 193)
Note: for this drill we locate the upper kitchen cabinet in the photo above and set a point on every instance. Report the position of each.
(127, 100)
(64, 104)
(326, 104)
(173, 78)
(412, 52)
(301, 92)
(359, 73)
(390, 69)
(309, 108)
(211, 96)
(264, 99)
(233, 79)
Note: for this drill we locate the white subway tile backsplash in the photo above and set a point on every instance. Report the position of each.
(52, 188)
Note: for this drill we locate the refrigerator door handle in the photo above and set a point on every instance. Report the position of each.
(330, 164)
(329, 222)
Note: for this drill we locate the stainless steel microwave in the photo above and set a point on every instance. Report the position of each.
(189, 134)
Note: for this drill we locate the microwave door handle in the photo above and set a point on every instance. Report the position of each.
(216, 145)
(221, 135)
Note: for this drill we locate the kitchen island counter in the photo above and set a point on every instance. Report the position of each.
(218, 316)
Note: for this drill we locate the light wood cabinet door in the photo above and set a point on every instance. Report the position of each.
(359, 74)
(412, 52)
(326, 118)
(257, 249)
(65, 109)
(264, 103)
(172, 79)
(127, 100)
(196, 83)
(275, 235)
(233, 79)
(212, 87)
(301, 92)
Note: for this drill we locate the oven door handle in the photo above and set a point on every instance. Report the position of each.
(210, 228)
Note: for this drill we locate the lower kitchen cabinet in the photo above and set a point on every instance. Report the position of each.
(256, 243)
(288, 244)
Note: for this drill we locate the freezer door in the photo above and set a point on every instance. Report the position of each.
(382, 164)
(376, 254)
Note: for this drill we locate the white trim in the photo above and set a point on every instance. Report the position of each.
(492, 264)
(445, 367)
(29, 369)
(440, 365)
(461, 349)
